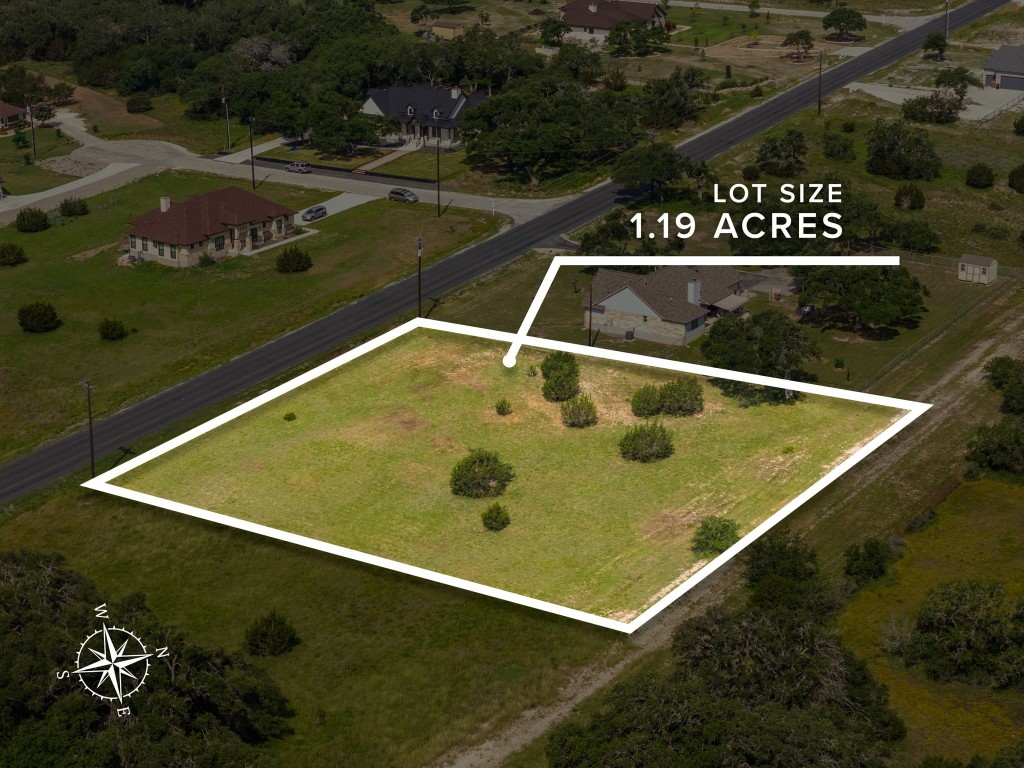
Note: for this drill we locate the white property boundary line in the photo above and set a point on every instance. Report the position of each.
(913, 411)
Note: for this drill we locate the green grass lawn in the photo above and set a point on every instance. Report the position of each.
(306, 154)
(423, 165)
(978, 534)
(188, 320)
(21, 178)
(589, 529)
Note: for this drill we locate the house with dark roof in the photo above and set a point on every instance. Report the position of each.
(222, 223)
(11, 115)
(425, 113)
(672, 305)
(1005, 68)
(592, 20)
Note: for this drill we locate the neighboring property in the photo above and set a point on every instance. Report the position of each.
(592, 20)
(221, 223)
(11, 115)
(977, 269)
(447, 30)
(672, 305)
(1005, 68)
(424, 112)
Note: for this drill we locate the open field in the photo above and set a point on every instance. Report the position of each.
(590, 530)
(20, 178)
(309, 155)
(978, 534)
(187, 320)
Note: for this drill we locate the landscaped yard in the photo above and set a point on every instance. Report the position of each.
(304, 154)
(188, 320)
(21, 178)
(589, 530)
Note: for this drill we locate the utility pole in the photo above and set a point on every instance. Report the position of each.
(419, 276)
(590, 317)
(227, 120)
(252, 158)
(947, 22)
(438, 165)
(32, 126)
(821, 69)
(92, 442)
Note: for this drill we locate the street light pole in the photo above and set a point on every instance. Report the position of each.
(92, 441)
(419, 277)
(227, 121)
(947, 22)
(590, 317)
(821, 69)
(438, 172)
(32, 126)
(252, 159)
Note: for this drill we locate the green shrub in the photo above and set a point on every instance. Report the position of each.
(751, 172)
(646, 401)
(111, 330)
(503, 407)
(1018, 126)
(206, 260)
(73, 206)
(999, 447)
(579, 411)
(271, 635)
(495, 518)
(293, 259)
(909, 197)
(646, 442)
(839, 363)
(835, 146)
(1016, 179)
(38, 317)
(11, 255)
(682, 397)
(557, 361)
(32, 220)
(756, 92)
(532, 371)
(481, 474)
(561, 385)
(980, 176)
(290, 416)
(714, 535)
(867, 561)
(1004, 370)
(848, 126)
(138, 102)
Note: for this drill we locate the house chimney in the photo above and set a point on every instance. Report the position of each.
(693, 291)
(165, 203)
(592, 7)
(456, 92)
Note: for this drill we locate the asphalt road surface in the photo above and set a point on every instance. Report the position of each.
(61, 457)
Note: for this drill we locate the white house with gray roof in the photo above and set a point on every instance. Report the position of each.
(424, 112)
(1005, 68)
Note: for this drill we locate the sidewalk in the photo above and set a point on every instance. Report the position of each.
(243, 155)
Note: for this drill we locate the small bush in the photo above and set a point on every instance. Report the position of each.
(909, 197)
(138, 102)
(111, 330)
(921, 520)
(839, 363)
(682, 397)
(32, 220)
(867, 561)
(579, 411)
(481, 474)
(563, 384)
(293, 259)
(1016, 179)
(495, 518)
(646, 401)
(646, 442)
(1018, 126)
(206, 260)
(556, 361)
(836, 146)
(532, 371)
(271, 635)
(290, 416)
(38, 317)
(756, 92)
(848, 126)
(503, 407)
(751, 172)
(11, 255)
(73, 206)
(715, 535)
(980, 176)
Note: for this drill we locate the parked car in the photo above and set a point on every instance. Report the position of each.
(402, 195)
(314, 213)
(298, 168)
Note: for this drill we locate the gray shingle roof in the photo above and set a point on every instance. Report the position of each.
(977, 261)
(1009, 58)
(665, 289)
(424, 99)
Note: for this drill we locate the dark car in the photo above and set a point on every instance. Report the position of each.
(314, 213)
(402, 195)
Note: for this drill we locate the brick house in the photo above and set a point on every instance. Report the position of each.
(672, 305)
(592, 20)
(11, 115)
(222, 223)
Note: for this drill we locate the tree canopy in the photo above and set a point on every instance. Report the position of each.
(768, 343)
(860, 295)
(844, 20)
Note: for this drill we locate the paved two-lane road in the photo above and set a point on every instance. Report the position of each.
(61, 457)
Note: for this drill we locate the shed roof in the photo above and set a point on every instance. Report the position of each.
(1008, 58)
(447, 24)
(978, 261)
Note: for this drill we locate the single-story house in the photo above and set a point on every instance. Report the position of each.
(11, 115)
(447, 30)
(592, 20)
(977, 269)
(1005, 68)
(671, 305)
(221, 223)
(424, 112)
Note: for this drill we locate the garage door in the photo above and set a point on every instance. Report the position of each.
(1013, 82)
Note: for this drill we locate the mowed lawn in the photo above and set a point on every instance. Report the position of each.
(187, 320)
(366, 465)
(977, 534)
(21, 178)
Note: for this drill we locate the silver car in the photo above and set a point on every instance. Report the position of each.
(402, 195)
(314, 213)
(299, 168)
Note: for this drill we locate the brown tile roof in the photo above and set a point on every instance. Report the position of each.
(665, 290)
(202, 216)
(9, 110)
(607, 13)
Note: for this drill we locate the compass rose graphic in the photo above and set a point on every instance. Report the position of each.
(112, 663)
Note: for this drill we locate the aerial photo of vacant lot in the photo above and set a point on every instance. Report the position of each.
(362, 458)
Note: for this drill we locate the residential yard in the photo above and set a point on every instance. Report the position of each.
(306, 154)
(21, 178)
(589, 529)
(188, 320)
(423, 164)
(978, 534)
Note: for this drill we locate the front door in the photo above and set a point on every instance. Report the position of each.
(254, 236)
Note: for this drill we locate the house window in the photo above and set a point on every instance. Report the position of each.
(984, 270)
(279, 224)
(174, 251)
(145, 243)
(133, 241)
(645, 318)
(408, 110)
(160, 249)
(218, 242)
(963, 267)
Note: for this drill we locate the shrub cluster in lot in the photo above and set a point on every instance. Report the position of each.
(715, 535)
(682, 397)
(561, 372)
(868, 560)
(11, 255)
(38, 317)
(646, 442)
(481, 474)
(138, 102)
(909, 197)
(73, 206)
(111, 330)
(835, 146)
(293, 259)
(980, 176)
(1000, 447)
(1016, 179)
(579, 411)
(495, 518)
(31, 220)
(271, 635)
(646, 401)
(503, 407)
